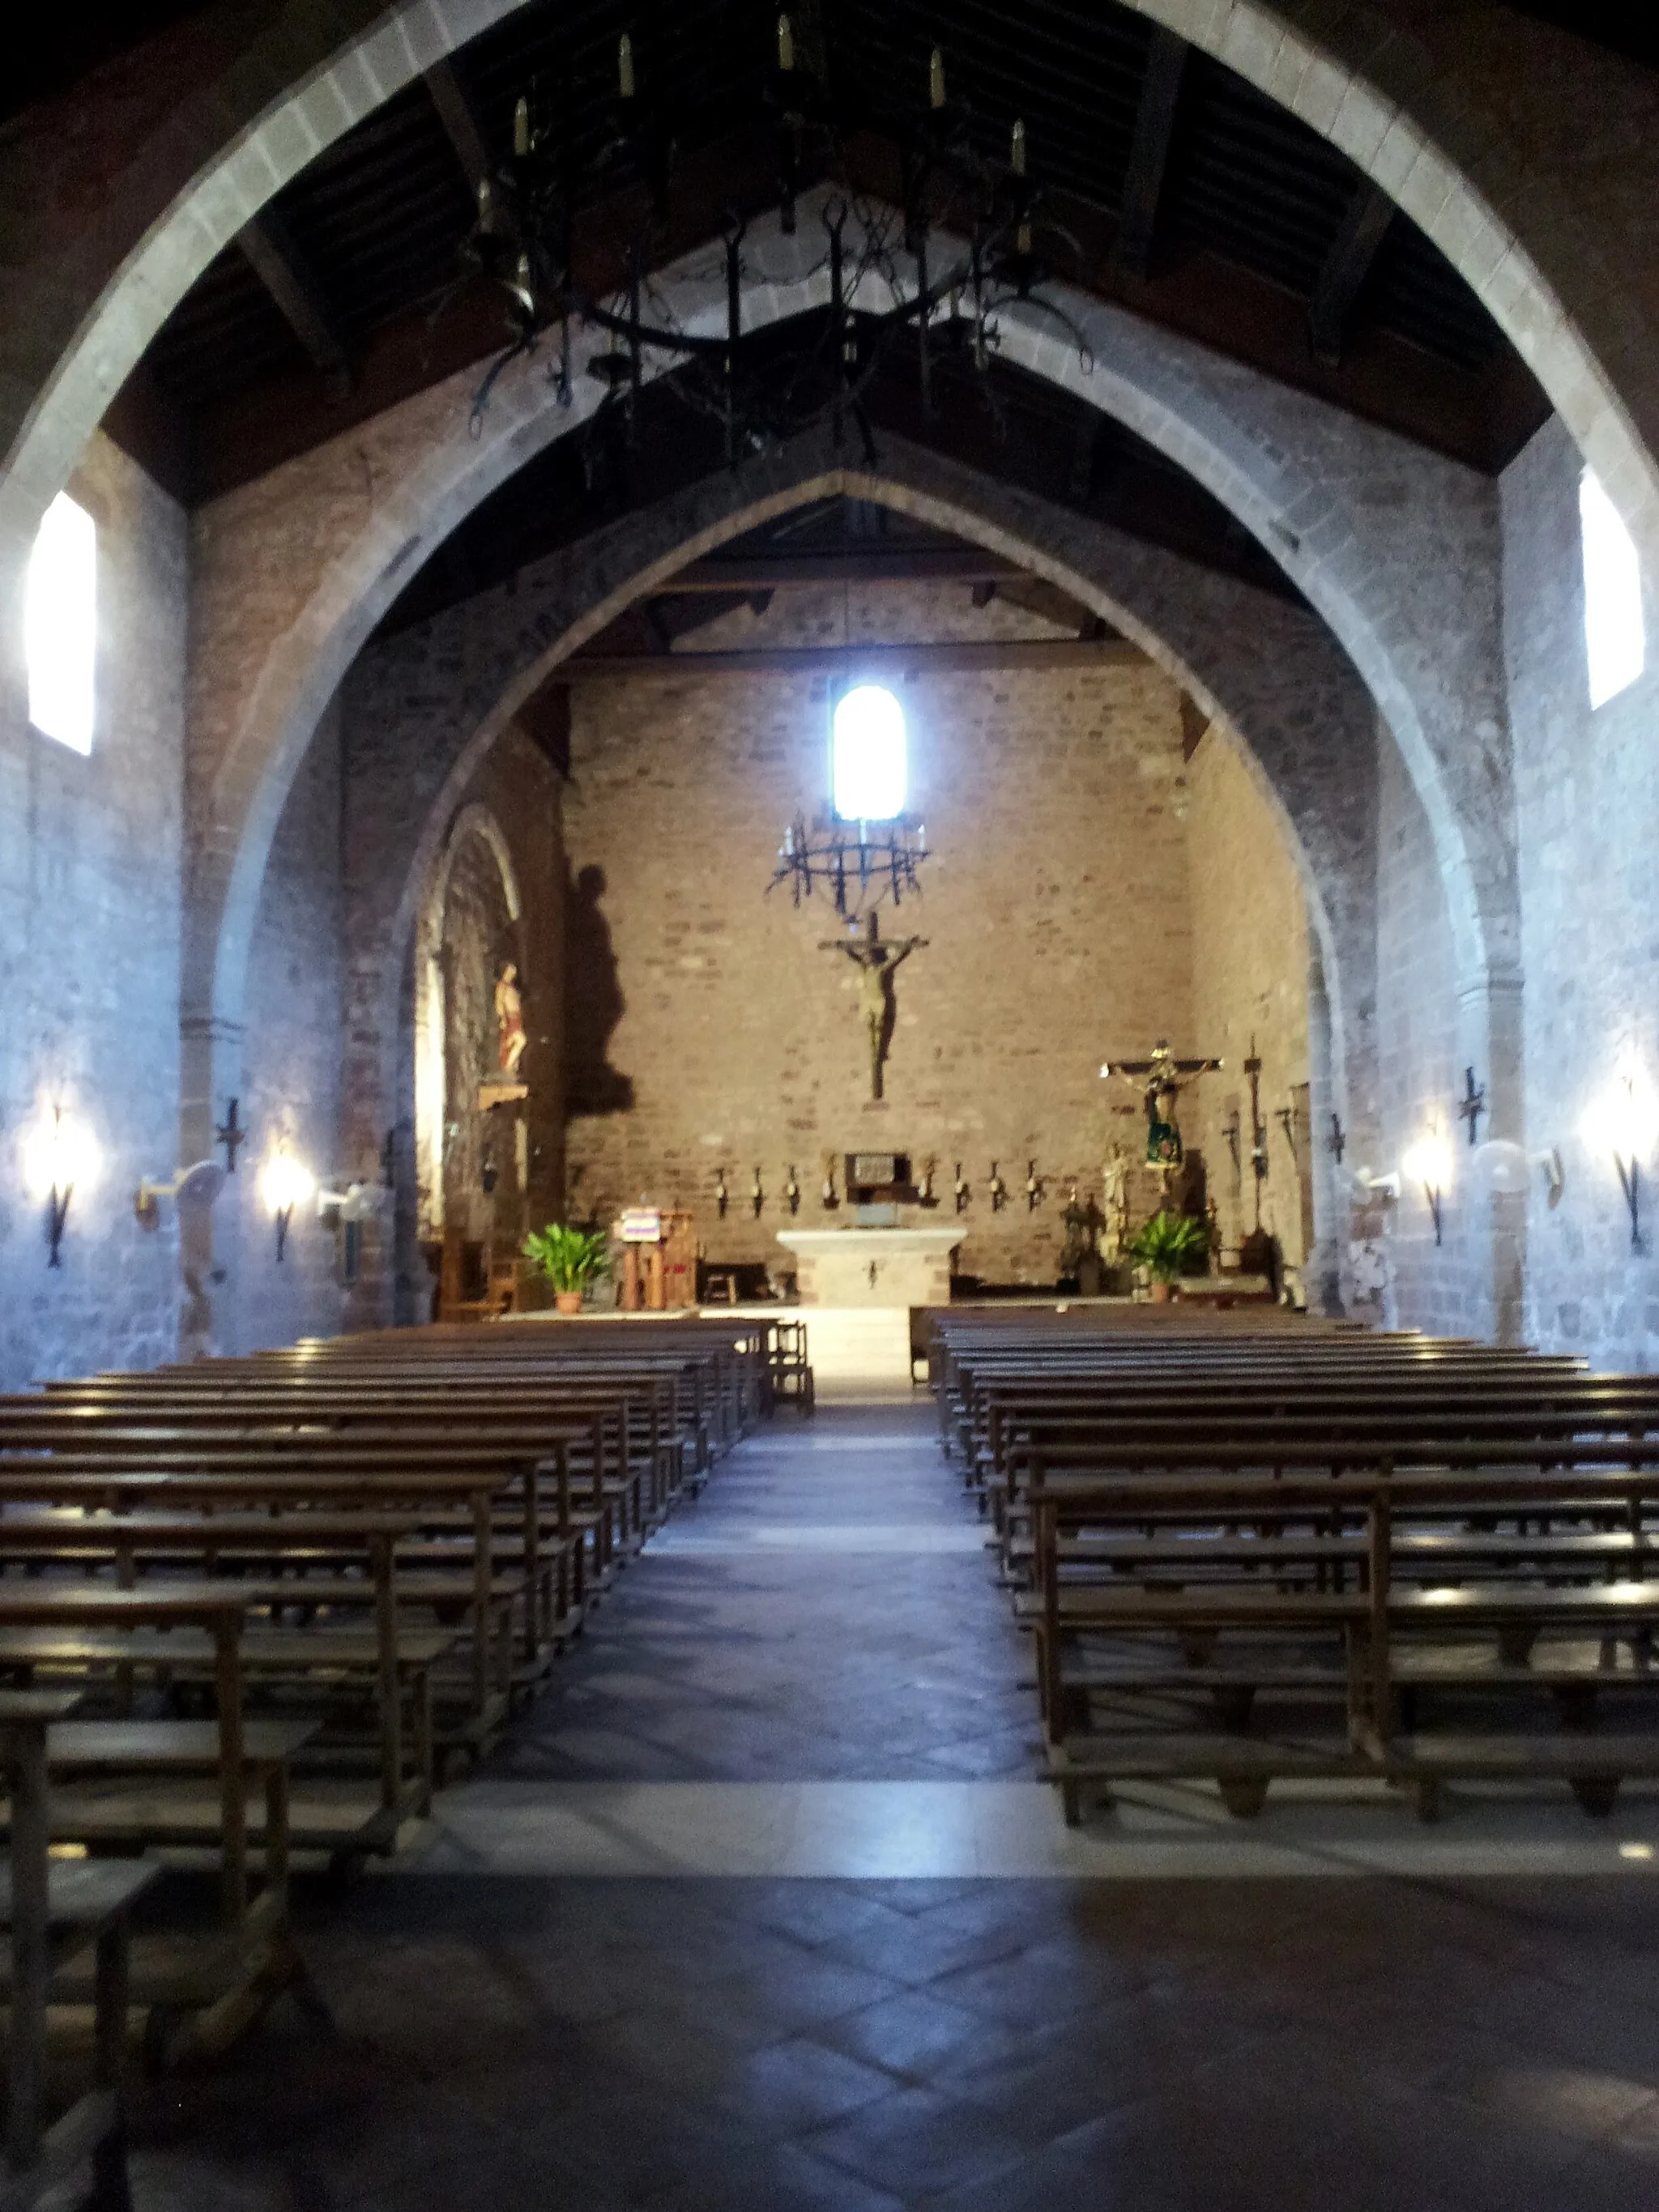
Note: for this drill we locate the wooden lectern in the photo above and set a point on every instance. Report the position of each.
(659, 1258)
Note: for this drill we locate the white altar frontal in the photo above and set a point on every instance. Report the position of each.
(873, 1266)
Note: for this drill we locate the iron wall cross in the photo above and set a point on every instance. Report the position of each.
(232, 1136)
(1473, 1104)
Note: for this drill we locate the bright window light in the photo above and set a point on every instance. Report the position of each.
(1615, 641)
(869, 755)
(60, 624)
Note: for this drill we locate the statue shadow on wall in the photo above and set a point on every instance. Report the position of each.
(593, 1002)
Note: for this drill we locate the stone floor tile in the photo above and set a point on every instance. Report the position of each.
(915, 2142)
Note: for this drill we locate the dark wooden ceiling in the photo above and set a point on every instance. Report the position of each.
(1233, 224)
(1037, 437)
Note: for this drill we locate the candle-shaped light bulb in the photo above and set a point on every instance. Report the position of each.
(1022, 240)
(521, 128)
(936, 79)
(1016, 148)
(786, 44)
(625, 66)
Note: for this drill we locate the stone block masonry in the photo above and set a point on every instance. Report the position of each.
(709, 1031)
(89, 950)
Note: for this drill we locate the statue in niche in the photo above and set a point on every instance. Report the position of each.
(509, 1021)
(875, 963)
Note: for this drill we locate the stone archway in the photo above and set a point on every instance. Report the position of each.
(1417, 611)
(474, 825)
(1476, 156)
(1280, 684)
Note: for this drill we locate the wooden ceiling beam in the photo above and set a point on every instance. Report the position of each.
(1149, 151)
(277, 262)
(1003, 656)
(461, 125)
(1347, 266)
(919, 564)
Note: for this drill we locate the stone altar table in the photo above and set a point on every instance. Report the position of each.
(873, 1266)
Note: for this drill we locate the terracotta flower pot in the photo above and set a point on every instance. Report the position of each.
(1162, 1293)
(568, 1302)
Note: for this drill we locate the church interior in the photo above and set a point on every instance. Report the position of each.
(829, 1106)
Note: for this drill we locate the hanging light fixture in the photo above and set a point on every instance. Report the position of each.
(891, 289)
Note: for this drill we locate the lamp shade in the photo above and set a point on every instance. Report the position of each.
(1429, 1161)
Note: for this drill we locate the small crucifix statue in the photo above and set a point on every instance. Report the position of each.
(232, 1135)
(1473, 1104)
(875, 963)
(1160, 1083)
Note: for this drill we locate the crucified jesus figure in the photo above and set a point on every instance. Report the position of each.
(875, 963)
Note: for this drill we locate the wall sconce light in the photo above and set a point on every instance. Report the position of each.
(1429, 1162)
(997, 1188)
(959, 1189)
(60, 1156)
(1624, 1122)
(1035, 1187)
(791, 1191)
(192, 1189)
(1506, 1168)
(722, 1196)
(757, 1195)
(1367, 1185)
(286, 1182)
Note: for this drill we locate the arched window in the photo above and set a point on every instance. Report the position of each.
(1615, 641)
(870, 770)
(60, 624)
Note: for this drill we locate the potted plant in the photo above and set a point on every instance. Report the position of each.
(1166, 1246)
(569, 1258)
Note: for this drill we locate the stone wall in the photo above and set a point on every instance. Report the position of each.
(709, 1030)
(291, 1073)
(1587, 793)
(89, 873)
(1250, 989)
(1429, 1286)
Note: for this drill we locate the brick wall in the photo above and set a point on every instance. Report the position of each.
(1055, 912)
(89, 865)
(1249, 987)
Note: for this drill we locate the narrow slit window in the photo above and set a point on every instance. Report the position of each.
(870, 767)
(60, 624)
(1615, 638)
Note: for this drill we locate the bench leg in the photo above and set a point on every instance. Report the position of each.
(1243, 1795)
(1596, 1793)
(110, 2189)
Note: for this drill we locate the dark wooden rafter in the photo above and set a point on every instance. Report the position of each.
(461, 125)
(1347, 264)
(897, 660)
(277, 262)
(1149, 152)
(921, 564)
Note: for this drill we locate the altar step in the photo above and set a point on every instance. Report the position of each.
(848, 1346)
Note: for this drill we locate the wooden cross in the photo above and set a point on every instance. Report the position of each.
(232, 1136)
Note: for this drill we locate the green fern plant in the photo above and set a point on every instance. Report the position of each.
(1167, 1245)
(569, 1257)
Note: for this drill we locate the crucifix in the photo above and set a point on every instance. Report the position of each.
(1258, 1128)
(232, 1135)
(1473, 1104)
(1160, 1083)
(875, 963)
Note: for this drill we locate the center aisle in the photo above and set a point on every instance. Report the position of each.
(706, 1934)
